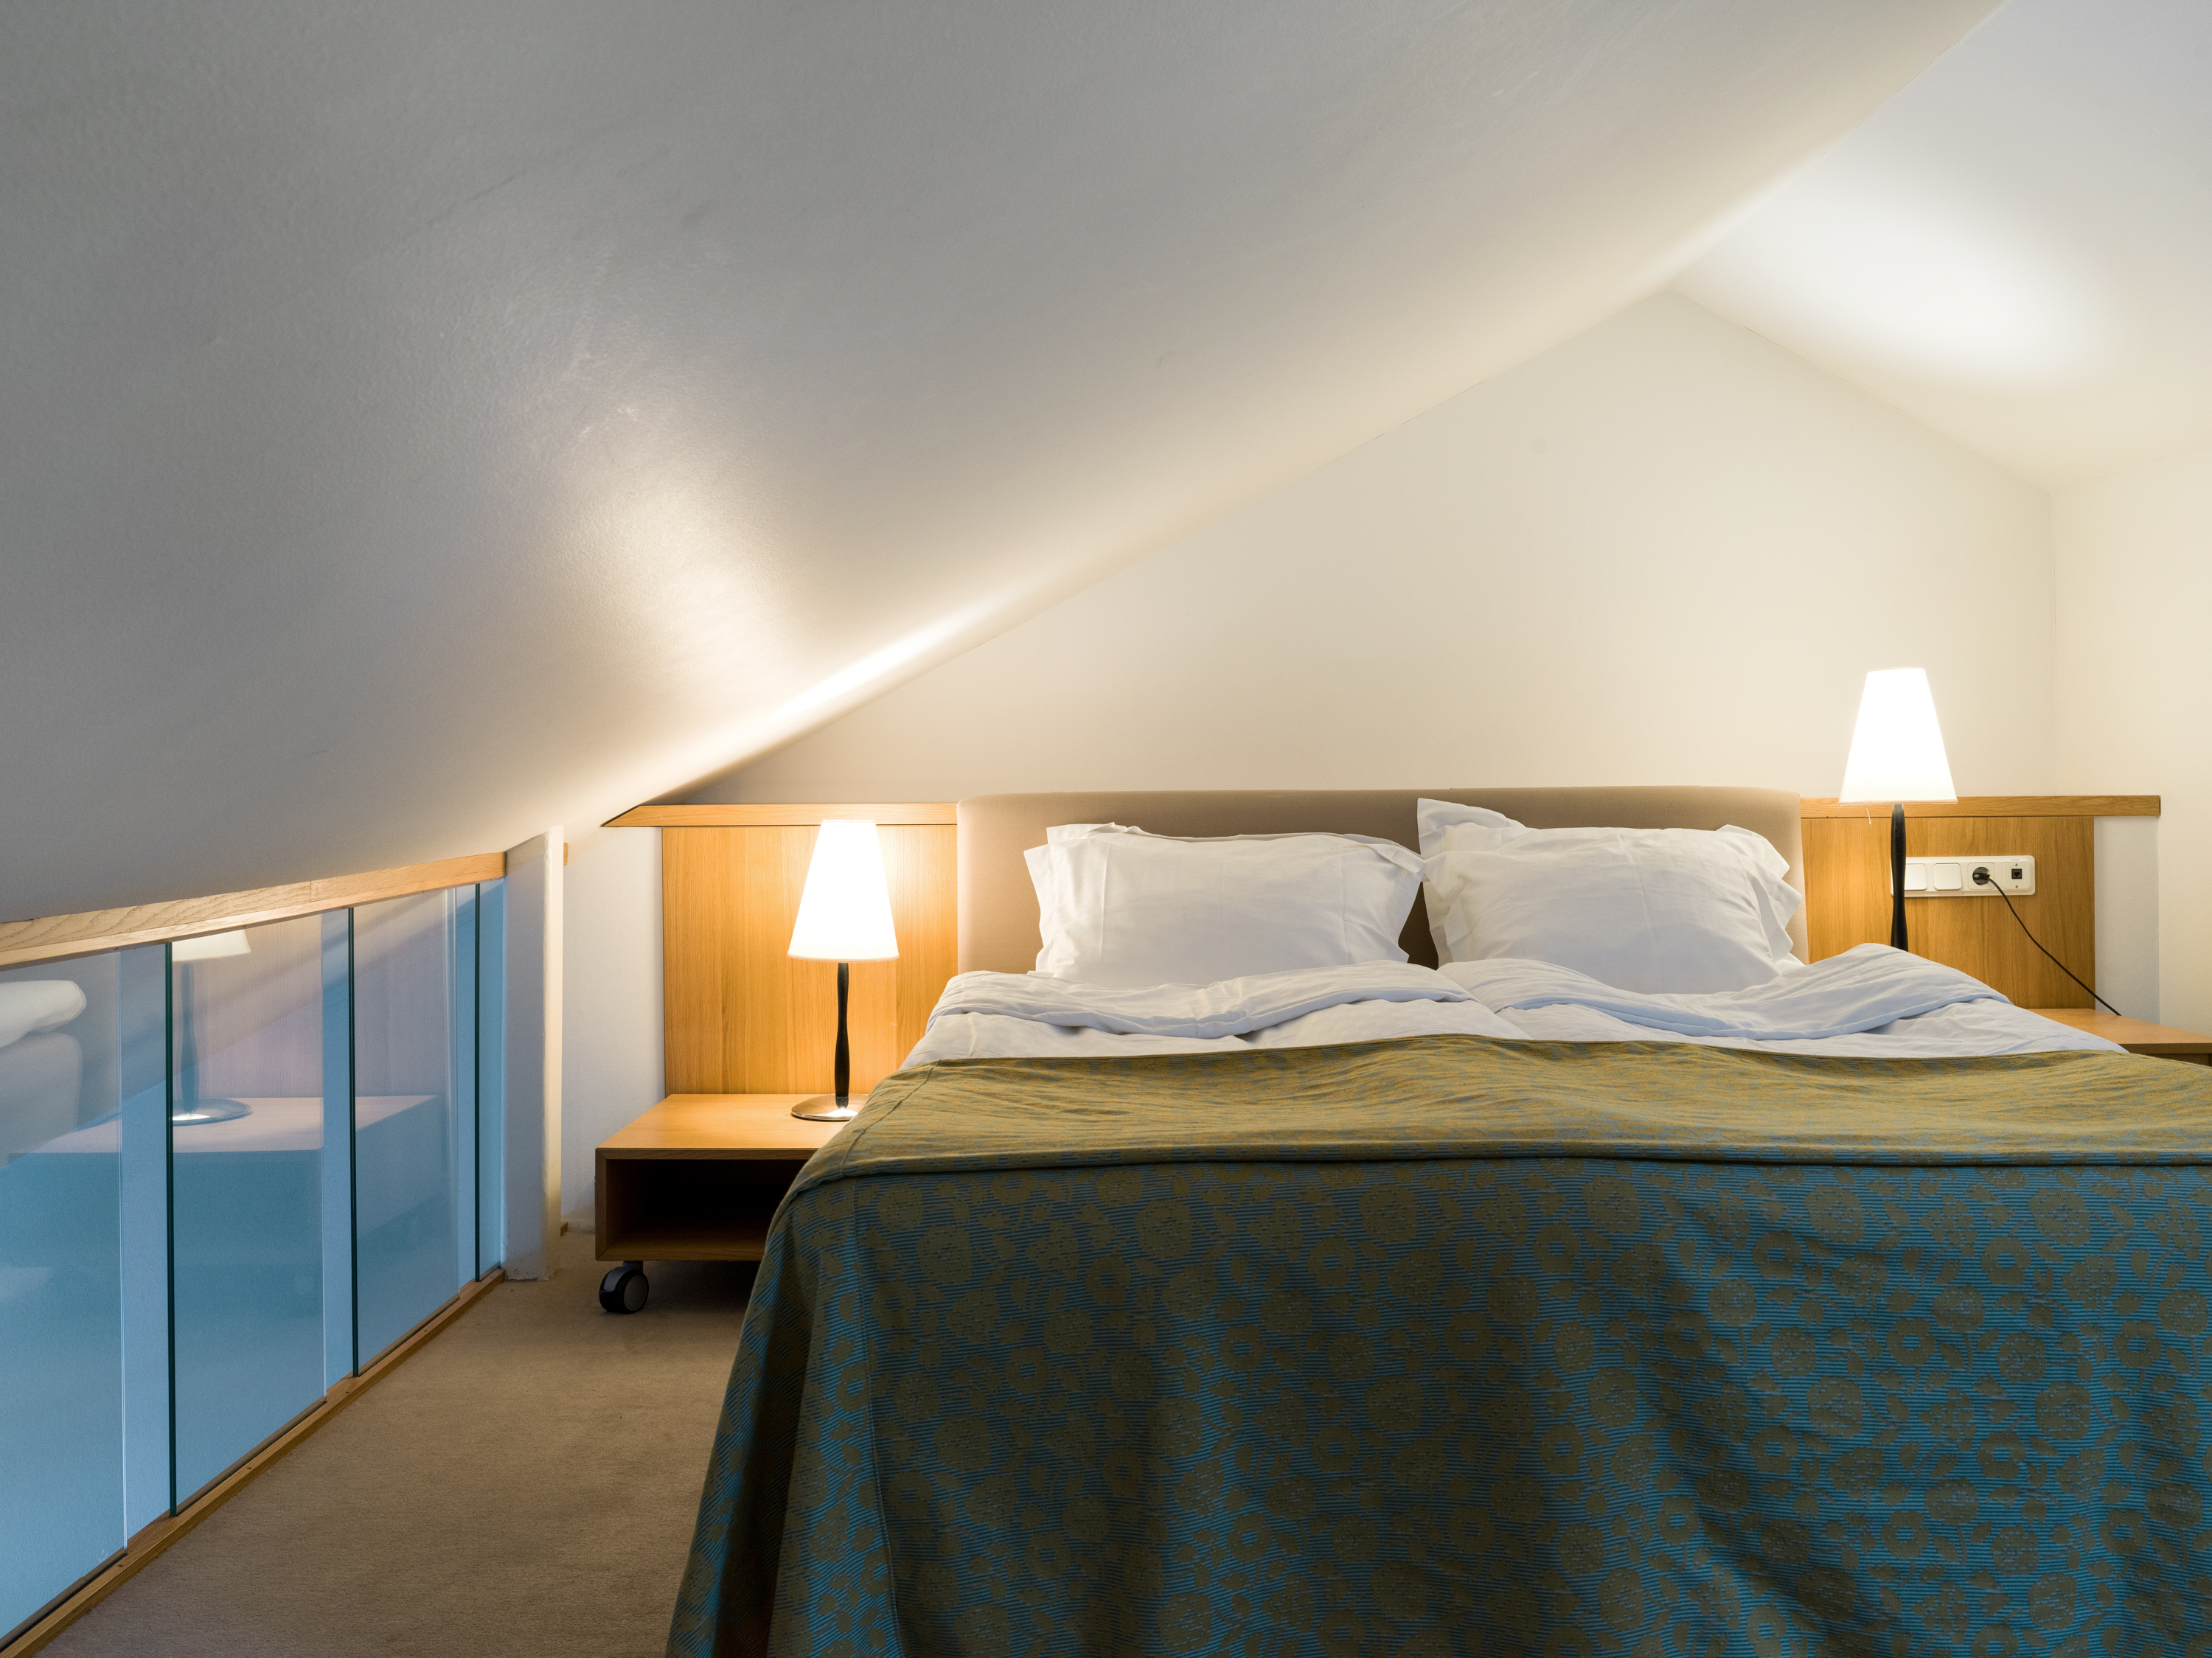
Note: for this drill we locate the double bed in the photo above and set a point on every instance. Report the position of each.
(1535, 1330)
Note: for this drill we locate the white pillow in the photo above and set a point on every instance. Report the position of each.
(1652, 910)
(1119, 906)
(29, 1004)
(1434, 819)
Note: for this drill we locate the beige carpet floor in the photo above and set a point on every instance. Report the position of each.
(525, 1484)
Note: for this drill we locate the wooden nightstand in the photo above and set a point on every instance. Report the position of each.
(697, 1178)
(2137, 1036)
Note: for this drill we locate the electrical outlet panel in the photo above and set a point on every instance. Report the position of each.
(1954, 877)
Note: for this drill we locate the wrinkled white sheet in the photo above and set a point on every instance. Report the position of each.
(1010, 1015)
(1230, 1008)
(1869, 1002)
(1033, 1015)
(1860, 990)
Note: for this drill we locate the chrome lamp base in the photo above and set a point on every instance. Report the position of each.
(195, 1111)
(829, 1107)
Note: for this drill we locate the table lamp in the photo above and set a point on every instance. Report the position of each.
(1897, 756)
(844, 916)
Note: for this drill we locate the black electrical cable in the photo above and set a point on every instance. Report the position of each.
(1981, 878)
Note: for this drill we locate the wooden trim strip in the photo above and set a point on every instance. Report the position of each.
(688, 817)
(55, 936)
(150, 1544)
(945, 812)
(1998, 805)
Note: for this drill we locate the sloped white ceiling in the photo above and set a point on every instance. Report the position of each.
(2018, 249)
(423, 419)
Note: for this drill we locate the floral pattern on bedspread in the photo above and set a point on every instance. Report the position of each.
(1452, 1404)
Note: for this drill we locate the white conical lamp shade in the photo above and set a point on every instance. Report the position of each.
(845, 913)
(205, 949)
(1897, 748)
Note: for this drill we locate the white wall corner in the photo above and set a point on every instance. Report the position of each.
(2127, 914)
(533, 1055)
(611, 1042)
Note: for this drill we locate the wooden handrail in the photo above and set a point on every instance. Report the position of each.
(52, 937)
(691, 816)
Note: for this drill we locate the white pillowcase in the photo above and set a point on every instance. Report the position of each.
(29, 1004)
(1661, 911)
(1119, 906)
(1433, 819)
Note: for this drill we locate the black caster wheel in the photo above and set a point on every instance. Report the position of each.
(624, 1289)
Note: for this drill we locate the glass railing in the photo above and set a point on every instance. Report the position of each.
(232, 1170)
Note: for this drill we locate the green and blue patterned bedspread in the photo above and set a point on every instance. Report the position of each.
(1449, 1345)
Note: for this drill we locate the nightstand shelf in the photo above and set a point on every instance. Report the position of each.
(733, 1239)
(697, 1178)
(2137, 1036)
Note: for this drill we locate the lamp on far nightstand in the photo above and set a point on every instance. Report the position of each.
(1896, 755)
(844, 916)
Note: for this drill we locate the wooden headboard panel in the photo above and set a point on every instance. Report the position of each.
(744, 1017)
(998, 905)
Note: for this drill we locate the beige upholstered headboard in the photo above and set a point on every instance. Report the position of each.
(998, 905)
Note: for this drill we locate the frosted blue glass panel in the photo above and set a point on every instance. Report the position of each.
(413, 988)
(338, 1145)
(246, 1173)
(143, 1019)
(61, 1343)
(467, 1108)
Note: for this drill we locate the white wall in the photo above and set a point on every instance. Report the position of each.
(2128, 929)
(1664, 552)
(612, 998)
(531, 1070)
(735, 357)
(2134, 683)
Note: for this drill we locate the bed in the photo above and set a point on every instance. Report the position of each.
(1455, 1342)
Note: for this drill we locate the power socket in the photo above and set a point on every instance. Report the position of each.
(2015, 875)
(1954, 877)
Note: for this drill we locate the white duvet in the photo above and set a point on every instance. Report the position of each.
(1036, 1016)
(1869, 1002)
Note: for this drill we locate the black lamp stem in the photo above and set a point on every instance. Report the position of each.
(188, 1041)
(844, 1067)
(1896, 891)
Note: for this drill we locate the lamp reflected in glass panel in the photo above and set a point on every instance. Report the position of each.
(247, 1190)
(191, 1107)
